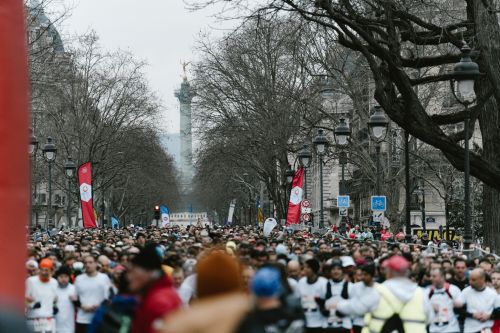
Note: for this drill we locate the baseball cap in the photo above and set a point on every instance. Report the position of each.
(396, 263)
(347, 261)
(266, 282)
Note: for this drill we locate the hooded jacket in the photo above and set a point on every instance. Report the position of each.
(159, 300)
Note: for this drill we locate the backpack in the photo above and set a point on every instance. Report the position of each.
(115, 321)
(446, 290)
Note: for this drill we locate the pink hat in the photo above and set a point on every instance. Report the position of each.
(396, 264)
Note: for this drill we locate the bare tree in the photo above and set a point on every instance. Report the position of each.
(381, 31)
(251, 90)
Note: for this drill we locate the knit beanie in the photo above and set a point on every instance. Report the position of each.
(267, 282)
(148, 258)
(218, 273)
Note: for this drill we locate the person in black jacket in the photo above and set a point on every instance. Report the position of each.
(270, 313)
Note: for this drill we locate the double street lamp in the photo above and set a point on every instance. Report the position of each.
(342, 133)
(321, 144)
(69, 168)
(378, 124)
(462, 88)
(32, 149)
(305, 157)
(49, 152)
(33, 146)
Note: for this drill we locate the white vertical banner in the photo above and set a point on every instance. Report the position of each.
(231, 211)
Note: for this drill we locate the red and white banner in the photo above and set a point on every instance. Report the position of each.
(85, 182)
(293, 216)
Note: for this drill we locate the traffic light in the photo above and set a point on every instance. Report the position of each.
(157, 212)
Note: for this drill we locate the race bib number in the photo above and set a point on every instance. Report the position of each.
(442, 315)
(308, 303)
(43, 325)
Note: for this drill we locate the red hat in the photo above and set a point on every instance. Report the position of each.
(396, 264)
(46, 263)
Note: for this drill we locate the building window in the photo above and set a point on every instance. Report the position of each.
(42, 198)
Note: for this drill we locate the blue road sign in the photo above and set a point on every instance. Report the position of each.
(343, 201)
(379, 203)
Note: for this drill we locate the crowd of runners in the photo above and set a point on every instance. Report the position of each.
(234, 279)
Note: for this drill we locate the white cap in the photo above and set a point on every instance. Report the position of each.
(69, 248)
(31, 263)
(78, 265)
(347, 261)
(281, 249)
(119, 243)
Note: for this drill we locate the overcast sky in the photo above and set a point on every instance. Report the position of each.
(161, 32)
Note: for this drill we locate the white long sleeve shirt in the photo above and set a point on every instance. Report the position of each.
(363, 299)
(475, 301)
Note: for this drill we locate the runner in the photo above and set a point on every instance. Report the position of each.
(92, 289)
(444, 297)
(66, 296)
(41, 298)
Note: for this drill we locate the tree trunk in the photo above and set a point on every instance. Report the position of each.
(487, 31)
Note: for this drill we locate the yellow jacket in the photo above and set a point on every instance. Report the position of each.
(412, 313)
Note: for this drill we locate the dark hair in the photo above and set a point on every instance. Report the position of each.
(368, 268)
(313, 265)
(486, 260)
(459, 260)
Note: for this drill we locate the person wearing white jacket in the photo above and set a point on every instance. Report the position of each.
(364, 298)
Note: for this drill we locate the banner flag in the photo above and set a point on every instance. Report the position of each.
(260, 212)
(85, 182)
(165, 216)
(115, 223)
(293, 216)
(231, 212)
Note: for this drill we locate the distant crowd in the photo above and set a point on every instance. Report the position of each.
(235, 279)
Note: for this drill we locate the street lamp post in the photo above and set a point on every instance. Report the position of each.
(421, 198)
(342, 133)
(271, 210)
(248, 210)
(462, 88)
(49, 151)
(70, 168)
(305, 156)
(378, 124)
(289, 174)
(33, 147)
(321, 144)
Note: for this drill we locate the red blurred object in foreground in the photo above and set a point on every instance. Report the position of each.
(14, 167)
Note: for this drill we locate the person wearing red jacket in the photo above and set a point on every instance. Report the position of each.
(157, 294)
